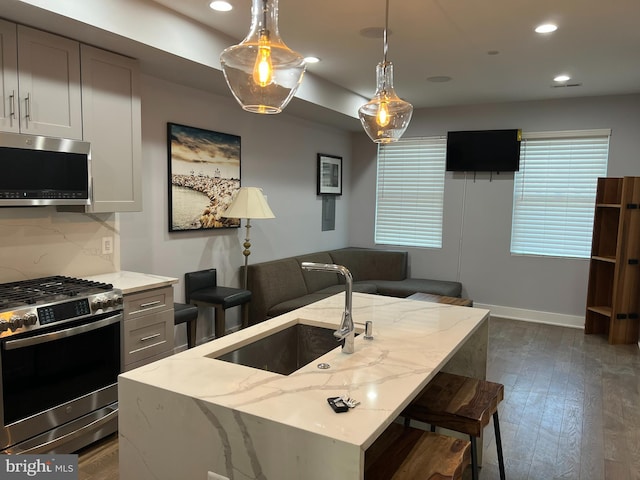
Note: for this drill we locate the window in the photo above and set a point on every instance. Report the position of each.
(555, 190)
(410, 192)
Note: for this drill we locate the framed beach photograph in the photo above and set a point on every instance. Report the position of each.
(329, 174)
(204, 174)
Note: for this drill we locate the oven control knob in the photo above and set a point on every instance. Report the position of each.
(15, 323)
(119, 300)
(98, 303)
(30, 319)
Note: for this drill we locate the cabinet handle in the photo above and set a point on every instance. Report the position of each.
(27, 109)
(150, 337)
(12, 107)
(150, 304)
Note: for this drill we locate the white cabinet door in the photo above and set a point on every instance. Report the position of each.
(9, 121)
(49, 84)
(112, 124)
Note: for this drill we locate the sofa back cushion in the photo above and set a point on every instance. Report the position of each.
(272, 283)
(371, 264)
(318, 280)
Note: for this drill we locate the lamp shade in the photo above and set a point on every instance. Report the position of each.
(249, 202)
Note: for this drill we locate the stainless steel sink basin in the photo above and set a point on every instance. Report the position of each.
(286, 351)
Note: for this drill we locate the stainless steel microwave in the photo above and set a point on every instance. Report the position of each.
(36, 170)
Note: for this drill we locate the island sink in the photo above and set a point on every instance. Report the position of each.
(285, 351)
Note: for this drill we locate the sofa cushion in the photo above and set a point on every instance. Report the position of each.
(288, 305)
(271, 283)
(318, 280)
(361, 287)
(409, 286)
(367, 264)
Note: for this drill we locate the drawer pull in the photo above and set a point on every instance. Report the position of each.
(150, 337)
(150, 304)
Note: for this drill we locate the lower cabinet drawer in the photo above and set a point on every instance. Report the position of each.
(143, 303)
(148, 336)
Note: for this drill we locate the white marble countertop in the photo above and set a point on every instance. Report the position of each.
(131, 282)
(412, 341)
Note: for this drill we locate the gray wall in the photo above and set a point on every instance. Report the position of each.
(278, 154)
(477, 212)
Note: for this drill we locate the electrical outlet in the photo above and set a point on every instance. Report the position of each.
(107, 245)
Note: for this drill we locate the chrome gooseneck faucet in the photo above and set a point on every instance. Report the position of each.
(346, 331)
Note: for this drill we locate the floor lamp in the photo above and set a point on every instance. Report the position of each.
(248, 203)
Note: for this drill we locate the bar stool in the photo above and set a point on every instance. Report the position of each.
(406, 453)
(201, 289)
(461, 404)
(183, 313)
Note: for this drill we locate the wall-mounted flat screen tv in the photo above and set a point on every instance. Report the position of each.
(483, 151)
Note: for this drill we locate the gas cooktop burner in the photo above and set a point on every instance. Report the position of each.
(47, 290)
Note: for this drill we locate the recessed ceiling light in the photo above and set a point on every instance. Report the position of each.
(374, 32)
(562, 78)
(311, 59)
(546, 28)
(220, 6)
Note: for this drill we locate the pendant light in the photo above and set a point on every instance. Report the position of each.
(262, 72)
(386, 116)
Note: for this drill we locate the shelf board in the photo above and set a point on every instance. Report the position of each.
(602, 310)
(601, 258)
(608, 205)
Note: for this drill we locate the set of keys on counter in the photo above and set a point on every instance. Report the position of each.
(342, 404)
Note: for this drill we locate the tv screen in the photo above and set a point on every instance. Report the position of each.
(483, 151)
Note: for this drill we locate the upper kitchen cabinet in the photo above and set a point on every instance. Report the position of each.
(40, 83)
(112, 124)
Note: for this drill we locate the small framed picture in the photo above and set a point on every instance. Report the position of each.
(329, 174)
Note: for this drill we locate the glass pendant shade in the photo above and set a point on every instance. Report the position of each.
(386, 116)
(262, 72)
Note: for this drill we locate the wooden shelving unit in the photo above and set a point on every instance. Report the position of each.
(613, 297)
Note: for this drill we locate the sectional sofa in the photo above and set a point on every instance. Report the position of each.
(279, 286)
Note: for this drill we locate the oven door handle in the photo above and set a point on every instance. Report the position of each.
(57, 335)
(49, 445)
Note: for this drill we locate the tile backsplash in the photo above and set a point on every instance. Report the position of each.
(39, 241)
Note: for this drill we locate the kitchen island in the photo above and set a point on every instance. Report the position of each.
(190, 414)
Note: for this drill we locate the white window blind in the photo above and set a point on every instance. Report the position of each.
(555, 190)
(410, 192)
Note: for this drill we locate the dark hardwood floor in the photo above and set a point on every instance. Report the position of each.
(571, 408)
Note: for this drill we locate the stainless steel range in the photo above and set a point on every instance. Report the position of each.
(59, 363)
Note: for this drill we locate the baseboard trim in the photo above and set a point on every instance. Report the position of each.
(535, 316)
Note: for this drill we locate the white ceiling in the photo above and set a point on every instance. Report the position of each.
(597, 43)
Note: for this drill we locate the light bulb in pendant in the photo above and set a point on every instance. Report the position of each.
(383, 117)
(263, 69)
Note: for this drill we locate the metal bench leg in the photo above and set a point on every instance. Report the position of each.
(474, 458)
(496, 427)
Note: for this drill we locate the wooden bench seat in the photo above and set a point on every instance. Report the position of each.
(406, 453)
(461, 404)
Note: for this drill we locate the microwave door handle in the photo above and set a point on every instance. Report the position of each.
(57, 335)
